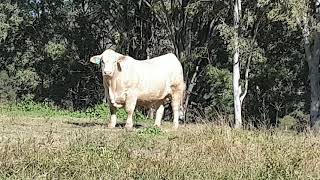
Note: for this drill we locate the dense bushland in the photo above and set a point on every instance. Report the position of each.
(45, 48)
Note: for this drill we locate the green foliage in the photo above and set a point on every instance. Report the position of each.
(26, 80)
(297, 121)
(287, 122)
(7, 92)
(193, 8)
(139, 116)
(49, 110)
(150, 131)
(55, 50)
(46, 46)
(219, 92)
(291, 12)
(32, 109)
(227, 34)
(9, 19)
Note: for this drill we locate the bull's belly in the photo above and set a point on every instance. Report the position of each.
(150, 102)
(152, 96)
(145, 96)
(149, 92)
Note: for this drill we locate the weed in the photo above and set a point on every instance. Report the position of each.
(150, 131)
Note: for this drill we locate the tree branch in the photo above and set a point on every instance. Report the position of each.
(246, 78)
(191, 85)
(154, 12)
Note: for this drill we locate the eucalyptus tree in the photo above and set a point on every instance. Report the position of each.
(236, 66)
(304, 15)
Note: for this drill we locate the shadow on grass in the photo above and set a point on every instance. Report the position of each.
(91, 124)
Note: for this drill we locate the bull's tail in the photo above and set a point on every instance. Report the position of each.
(182, 105)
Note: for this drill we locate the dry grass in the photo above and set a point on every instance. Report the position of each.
(40, 148)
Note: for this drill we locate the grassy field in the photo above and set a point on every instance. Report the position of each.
(44, 143)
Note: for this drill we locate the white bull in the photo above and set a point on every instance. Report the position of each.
(129, 82)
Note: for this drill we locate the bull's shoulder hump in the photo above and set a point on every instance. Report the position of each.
(171, 55)
(168, 57)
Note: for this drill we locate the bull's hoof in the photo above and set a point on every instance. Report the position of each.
(176, 126)
(111, 126)
(128, 126)
(117, 105)
(157, 125)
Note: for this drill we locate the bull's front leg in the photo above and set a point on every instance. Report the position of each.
(111, 95)
(113, 110)
(113, 119)
(131, 102)
(113, 99)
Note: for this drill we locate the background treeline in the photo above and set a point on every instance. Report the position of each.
(45, 46)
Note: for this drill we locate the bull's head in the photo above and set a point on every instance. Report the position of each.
(109, 61)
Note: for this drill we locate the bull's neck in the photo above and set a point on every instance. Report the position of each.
(113, 81)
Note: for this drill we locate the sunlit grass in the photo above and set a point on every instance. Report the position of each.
(75, 148)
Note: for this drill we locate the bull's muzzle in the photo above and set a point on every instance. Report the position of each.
(107, 73)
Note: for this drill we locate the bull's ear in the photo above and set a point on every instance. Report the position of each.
(122, 58)
(119, 66)
(96, 59)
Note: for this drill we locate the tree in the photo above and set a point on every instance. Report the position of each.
(305, 15)
(313, 57)
(45, 46)
(236, 66)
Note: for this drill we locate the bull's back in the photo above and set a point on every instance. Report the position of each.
(157, 76)
(163, 68)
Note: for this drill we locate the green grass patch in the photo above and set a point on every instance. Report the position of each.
(47, 110)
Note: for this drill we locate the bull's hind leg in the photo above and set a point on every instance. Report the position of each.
(175, 104)
(175, 108)
(131, 102)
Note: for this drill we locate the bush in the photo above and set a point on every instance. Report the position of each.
(296, 120)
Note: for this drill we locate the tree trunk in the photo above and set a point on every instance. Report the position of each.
(236, 67)
(190, 87)
(314, 76)
(312, 57)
